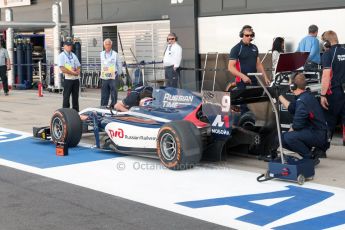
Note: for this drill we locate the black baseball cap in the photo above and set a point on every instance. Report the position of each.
(68, 43)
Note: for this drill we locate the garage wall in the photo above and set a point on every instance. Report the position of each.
(112, 11)
(39, 11)
(227, 7)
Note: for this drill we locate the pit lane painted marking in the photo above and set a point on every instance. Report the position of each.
(211, 192)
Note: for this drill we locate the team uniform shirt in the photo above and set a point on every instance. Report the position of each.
(173, 55)
(310, 44)
(133, 98)
(111, 65)
(334, 59)
(246, 57)
(70, 62)
(3, 56)
(307, 113)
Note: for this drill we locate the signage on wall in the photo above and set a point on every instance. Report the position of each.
(13, 3)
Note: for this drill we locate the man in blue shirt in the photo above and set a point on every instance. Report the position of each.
(309, 127)
(70, 66)
(311, 44)
(244, 59)
(333, 81)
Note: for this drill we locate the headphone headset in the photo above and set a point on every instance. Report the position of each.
(326, 44)
(293, 86)
(245, 28)
(174, 35)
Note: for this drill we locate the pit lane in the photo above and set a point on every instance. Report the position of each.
(147, 182)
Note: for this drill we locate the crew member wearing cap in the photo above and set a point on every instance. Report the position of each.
(140, 96)
(111, 67)
(70, 67)
(171, 61)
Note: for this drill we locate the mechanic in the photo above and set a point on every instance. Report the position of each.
(70, 67)
(244, 59)
(5, 65)
(111, 68)
(140, 96)
(311, 44)
(333, 81)
(309, 127)
(171, 61)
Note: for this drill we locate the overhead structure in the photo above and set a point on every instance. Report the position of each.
(9, 25)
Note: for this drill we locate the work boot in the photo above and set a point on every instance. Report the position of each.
(316, 161)
(318, 153)
(6, 94)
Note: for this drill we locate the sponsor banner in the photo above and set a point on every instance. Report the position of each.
(125, 135)
(217, 107)
(13, 3)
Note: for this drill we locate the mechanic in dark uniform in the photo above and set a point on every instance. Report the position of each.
(309, 127)
(244, 59)
(137, 97)
(333, 81)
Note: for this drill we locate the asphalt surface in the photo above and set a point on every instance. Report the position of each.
(31, 202)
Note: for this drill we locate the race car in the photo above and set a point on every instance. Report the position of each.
(180, 127)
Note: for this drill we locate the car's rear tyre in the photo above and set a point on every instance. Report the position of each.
(66, 127)
(179, 145)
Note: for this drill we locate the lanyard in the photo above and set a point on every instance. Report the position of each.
(105, 54)
(70, 57)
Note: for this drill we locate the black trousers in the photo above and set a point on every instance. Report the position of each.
(71, 87)
(109, 88)
(172, 77)
(3, 75)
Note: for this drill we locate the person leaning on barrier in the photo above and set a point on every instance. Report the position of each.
(5, 65)
(333, 81)
(311, 44)
(70, 67)
(244, 59)
(140, 96)
(309, 127)
(172, 61)
(111, 68)
(277, 48)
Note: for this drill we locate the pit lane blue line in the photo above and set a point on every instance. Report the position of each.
(41, 154)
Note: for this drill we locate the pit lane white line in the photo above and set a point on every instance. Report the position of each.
(147, 181)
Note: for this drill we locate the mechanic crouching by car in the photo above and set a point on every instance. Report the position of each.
(309, 127)
(140, 96)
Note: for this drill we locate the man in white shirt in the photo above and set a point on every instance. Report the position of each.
(111, 67)
(172, 60)
(70, 67)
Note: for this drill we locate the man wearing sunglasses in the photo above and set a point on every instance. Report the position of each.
(171, 61)
(244, 59)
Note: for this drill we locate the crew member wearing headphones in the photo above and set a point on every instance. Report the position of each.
(333, 81)
(171, 61)
(244, 59)
(309, 127)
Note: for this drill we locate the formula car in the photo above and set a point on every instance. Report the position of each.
(180, 127)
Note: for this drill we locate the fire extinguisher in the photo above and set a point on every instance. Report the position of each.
(40, 89)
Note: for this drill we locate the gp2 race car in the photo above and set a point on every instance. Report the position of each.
(179, 127)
